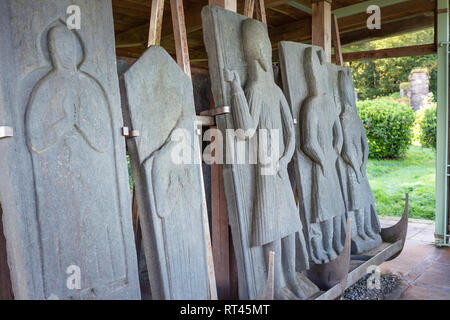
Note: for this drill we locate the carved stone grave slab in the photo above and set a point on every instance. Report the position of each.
(312, 86)
(64, 183)
(261, 206)
(170, 192)
(358, 195)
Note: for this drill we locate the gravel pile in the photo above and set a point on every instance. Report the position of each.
(359, 290)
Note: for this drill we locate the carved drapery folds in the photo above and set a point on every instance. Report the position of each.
(64, 192)
(260, 200)
(331, 154)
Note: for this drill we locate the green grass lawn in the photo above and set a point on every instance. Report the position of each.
(391, 179)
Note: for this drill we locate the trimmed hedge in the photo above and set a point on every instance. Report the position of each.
(428, 126)
(388, 125)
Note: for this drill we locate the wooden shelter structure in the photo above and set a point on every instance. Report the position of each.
(300, 20)
(177, 26)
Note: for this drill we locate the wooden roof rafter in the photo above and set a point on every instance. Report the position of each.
(287, 20)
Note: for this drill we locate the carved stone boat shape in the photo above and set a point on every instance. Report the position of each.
(333, 278)
(333, 273)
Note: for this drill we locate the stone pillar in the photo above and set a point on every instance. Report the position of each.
(418, 87)
(404, 90)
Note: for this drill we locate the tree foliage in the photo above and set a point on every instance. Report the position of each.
(428, 126)
(379, 78)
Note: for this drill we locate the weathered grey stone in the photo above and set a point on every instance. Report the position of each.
(418, 88)
(261, 208)
(311, 96)
(122, 66)
(360, 202)
(352, 150)
(64, 183)
(170, 195)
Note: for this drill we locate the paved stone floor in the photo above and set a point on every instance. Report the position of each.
(423, 268)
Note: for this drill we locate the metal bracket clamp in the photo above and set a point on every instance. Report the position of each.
(6, 132)
(126, 132)
(216, 111)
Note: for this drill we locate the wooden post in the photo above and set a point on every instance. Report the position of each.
(136, 224)
(336, 41)
(248, 8)
(156, 18)
(261, 11)
(221, 239)
(179, 30)
(220, 233)
(220, 229)
(5, 280)
(255, 5)
(321, 25)
(227, 4)
(182, 49)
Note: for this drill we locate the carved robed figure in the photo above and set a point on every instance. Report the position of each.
(355, 153)
(66, 130)
(321, 140)
(260, 201)
(263, 110)
(64, 192)
(165, 159)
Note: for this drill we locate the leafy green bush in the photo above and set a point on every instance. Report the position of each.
(428, 126)
(417, 128)
(388, 125)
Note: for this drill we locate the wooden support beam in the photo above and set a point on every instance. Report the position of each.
(362, 7)
(388, 14)
(227, 4)
(300, 7)
(179, 30)
(276, 3)
(336, 41)
(6, 292)
(301, 30)
(391, 53)
(156, 18)
(221, 237)
(257, 6)
(260, 11)
(249, 6)
(138, 36)
(220, 233)
(321, 25)
(389, 29)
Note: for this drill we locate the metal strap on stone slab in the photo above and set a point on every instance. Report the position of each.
(6, 132)
(126, 132)
(206, 121)
(216, 111)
